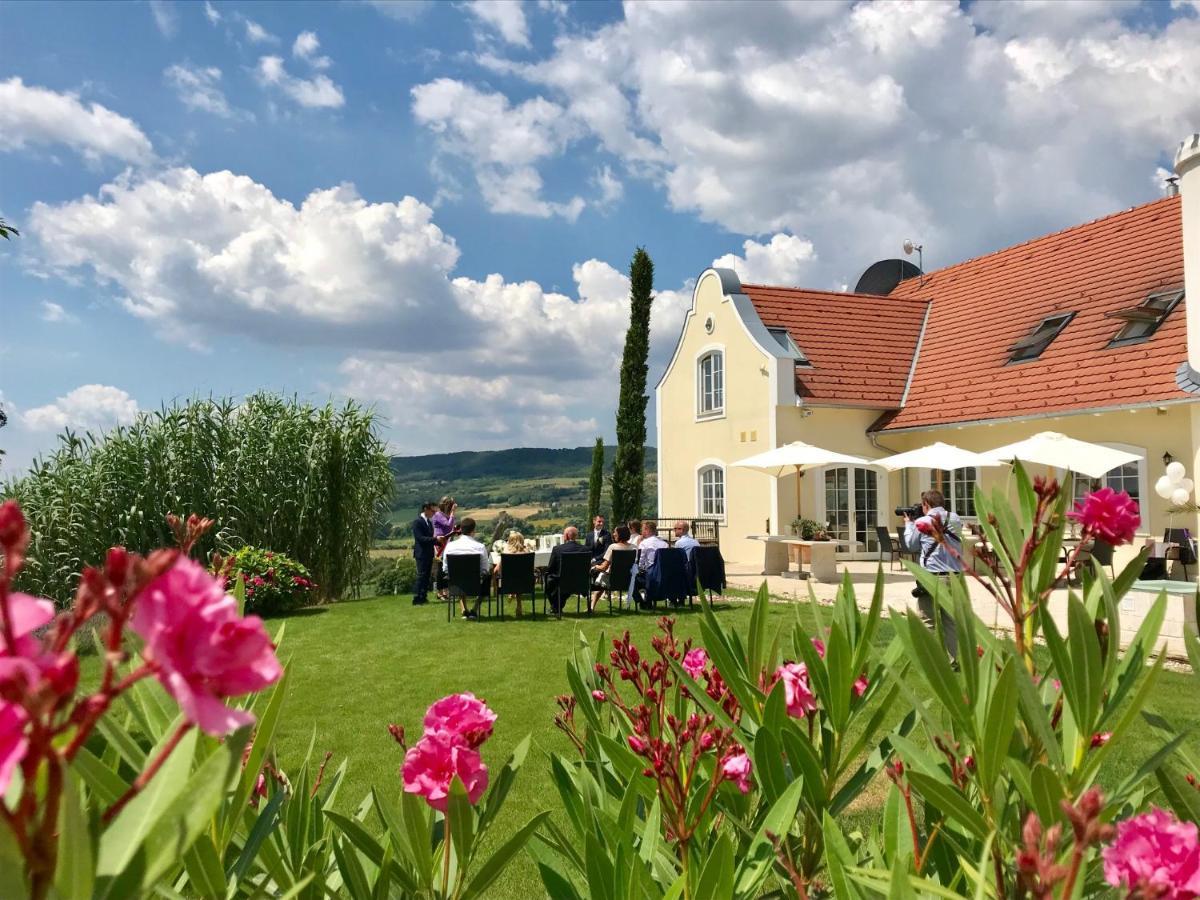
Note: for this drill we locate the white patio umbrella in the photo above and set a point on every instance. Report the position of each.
(797, 457)
(1053, 449)
(946, 457)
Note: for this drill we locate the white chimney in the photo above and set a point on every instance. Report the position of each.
(1187, 167)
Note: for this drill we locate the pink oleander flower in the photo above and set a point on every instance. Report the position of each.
(820, 647)
(925, 526)
(1157, 854)
(1110, 515)
(695, 661)
(636, 744)
(736, 768)
(599, 696)
(1100, 738)
(797, 692)
(431, 764)
(201, 650)
(27, 614)
(464, 715)
(13, 742)
(860, 685)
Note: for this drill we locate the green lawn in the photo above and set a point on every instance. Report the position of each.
(357, 666)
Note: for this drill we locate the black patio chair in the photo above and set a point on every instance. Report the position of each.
(710, 569)
(620, 570)
(574, 577)
(667, 578)
(1184, 551)
(1102, 553)
(464, 580)
(886, 546)
(516, 578)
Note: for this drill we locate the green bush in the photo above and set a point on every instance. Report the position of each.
(399, 578)
(274, 472)
(274, 583)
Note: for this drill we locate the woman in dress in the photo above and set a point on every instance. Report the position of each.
(600, 570)
(445, 525)
(515, 544)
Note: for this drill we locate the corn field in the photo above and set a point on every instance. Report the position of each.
(272, 472)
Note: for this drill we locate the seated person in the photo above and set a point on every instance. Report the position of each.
(635, 531)
(600, 569)
(683, 540)
(465, 544)
(570, 544)
(514, 544)
(647, 548)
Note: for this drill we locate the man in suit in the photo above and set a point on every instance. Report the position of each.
(598, 539)
(422, 529)
(570, 544)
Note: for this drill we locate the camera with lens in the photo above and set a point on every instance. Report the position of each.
(913, 512)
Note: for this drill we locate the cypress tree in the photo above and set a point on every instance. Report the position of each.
(596, 481)
(628, 479)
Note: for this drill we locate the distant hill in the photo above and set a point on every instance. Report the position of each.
(523, 479)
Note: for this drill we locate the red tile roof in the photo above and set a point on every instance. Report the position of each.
(982, 306)
(861, 346)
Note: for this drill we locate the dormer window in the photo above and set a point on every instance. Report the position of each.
(1143, 320)
(785, 341)
(1033, 344)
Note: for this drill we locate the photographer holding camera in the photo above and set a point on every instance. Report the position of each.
(933, 535)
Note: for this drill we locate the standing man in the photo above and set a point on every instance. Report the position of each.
(598, 539)
(422, 529)
(936, 538)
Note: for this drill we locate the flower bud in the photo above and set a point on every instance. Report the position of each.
(116, 566)
(12, 524)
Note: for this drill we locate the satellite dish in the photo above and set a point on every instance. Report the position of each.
(909, 247)
(882, 277)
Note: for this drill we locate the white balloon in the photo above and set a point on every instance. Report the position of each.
(1164, 488)
(1180, 497)
(1176, 471)
(1187, 484)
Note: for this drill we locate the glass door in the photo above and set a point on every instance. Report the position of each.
(852, 507)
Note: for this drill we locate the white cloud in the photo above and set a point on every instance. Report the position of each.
(54, 312)
(166, 17)
(506, 17)
(318, 92)
(219, 253)
(305, 47)
(785, 260)
(200, 88)
(212, 13)
(38, 116)
(501, 142)
(88, 407)
(401, 10)
(256, 34)
(610, 186)
(858, 124)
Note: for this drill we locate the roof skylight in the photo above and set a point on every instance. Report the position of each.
(1142, 321)
(1033, 344)
(785, 341)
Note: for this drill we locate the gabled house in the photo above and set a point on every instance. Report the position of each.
(1085, 331)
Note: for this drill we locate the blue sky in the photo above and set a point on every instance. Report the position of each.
(430, 206)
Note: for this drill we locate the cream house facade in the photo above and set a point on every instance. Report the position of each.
(959, 355)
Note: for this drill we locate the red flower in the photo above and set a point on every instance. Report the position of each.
(1109, 515)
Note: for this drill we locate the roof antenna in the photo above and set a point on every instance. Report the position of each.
(909, 247)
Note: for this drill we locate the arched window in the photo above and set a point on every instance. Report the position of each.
(712, 491)
(710, 383)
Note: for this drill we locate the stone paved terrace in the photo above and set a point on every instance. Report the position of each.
(898, 586)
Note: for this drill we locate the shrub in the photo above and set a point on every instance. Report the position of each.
(273, 472)
(399, 578)
(273, 583)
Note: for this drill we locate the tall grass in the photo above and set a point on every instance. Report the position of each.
(273, 472)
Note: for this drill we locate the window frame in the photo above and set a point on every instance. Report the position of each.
(951, 481)
(1143, 480)
(784, 338)
(706, 354)
(1044, 326)
(1121, 339)
(703, 468)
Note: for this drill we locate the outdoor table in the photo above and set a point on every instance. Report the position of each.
(822, 556)
(541, 558)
